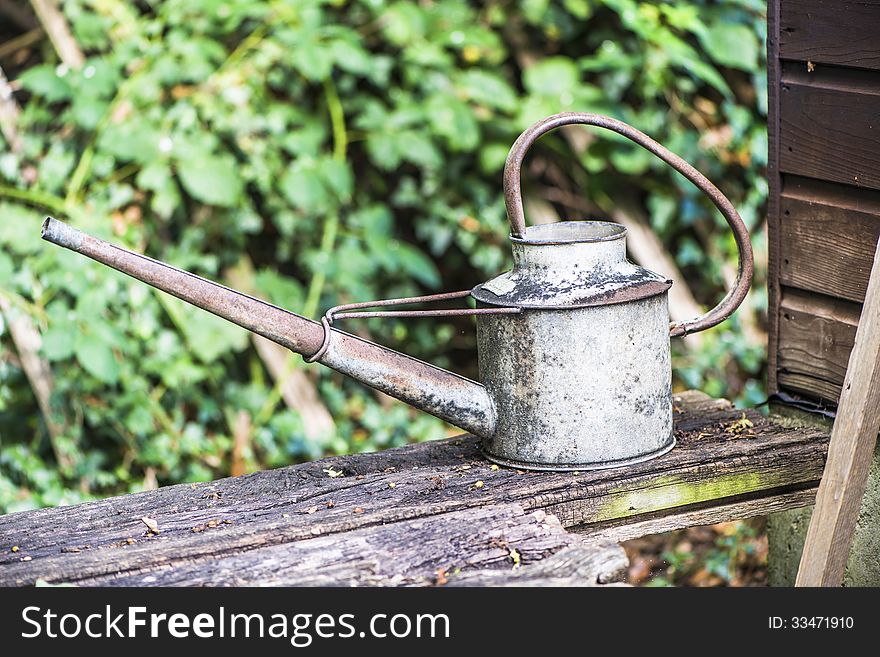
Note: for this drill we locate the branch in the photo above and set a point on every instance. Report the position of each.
(9, 115)
(21, 41)
(56, 27)
(27, 342)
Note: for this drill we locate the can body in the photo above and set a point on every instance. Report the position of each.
(580, 388)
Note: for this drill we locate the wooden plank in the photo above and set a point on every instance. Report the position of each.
(853, 439)
(700, 515)
(816, 335)
(419, 552)
(809, 386)
(825, 248)
(831, 32)
(718, 457)
(830, 134)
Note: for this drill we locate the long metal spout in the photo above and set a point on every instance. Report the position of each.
(453, 398)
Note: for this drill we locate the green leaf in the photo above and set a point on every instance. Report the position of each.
(132, 141)
(418, 148)
(487, 89)
(43, 80)
(452, 119)
(350, 56)
(731, 44)
(88, 111)
(417, 264)
(281, 290)
(211, 178)
(157, 178)
(338, 178)
(383, 151)
(96, 357)
(58, 342)
(404, 22)
(302, 186)
(7, 270)
(56, 166)
(581, 9)
(312, 60)
(631, 160)
(209, 337)
(20, 229)
(553, 76)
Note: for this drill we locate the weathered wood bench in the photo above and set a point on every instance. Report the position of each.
(427, 514)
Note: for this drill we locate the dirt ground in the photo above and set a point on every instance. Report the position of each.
(726, 554)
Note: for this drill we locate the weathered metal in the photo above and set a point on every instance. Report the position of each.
(573, 342)
(516, 214)
(449, 396)
(581, 379)
(353, 311)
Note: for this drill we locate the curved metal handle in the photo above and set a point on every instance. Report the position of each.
(516, 215)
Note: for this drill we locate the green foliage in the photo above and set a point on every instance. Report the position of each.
(734, 546)
(344, 151)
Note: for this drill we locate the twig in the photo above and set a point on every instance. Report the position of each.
(34, 197)
(27, 342)
(241, 440)
(21, 41)
(9, 115)
(56, 27)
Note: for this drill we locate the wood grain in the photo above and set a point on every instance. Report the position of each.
(853, 439)
(810, 386)
(477, 542)
(424, 491)
(707, 514)
(816, 336)
(826, 248)
(831, 32)
(830, 134)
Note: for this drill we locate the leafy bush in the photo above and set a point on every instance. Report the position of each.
(335, 151)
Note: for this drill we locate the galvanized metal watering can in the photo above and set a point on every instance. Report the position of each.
(573, 342)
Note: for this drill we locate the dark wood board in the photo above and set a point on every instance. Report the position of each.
(830, 134)
(824, 177)
(394, 503)
(825, 248)
(831, 32)
(816, 336)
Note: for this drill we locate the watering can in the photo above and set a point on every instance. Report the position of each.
(573, 342)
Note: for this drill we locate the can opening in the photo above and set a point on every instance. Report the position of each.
(565, 232)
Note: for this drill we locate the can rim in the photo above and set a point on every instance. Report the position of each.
(570, 232)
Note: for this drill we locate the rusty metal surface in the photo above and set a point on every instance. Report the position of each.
(516, 215)
(571, 264)
(447, 395)
(350, 311)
